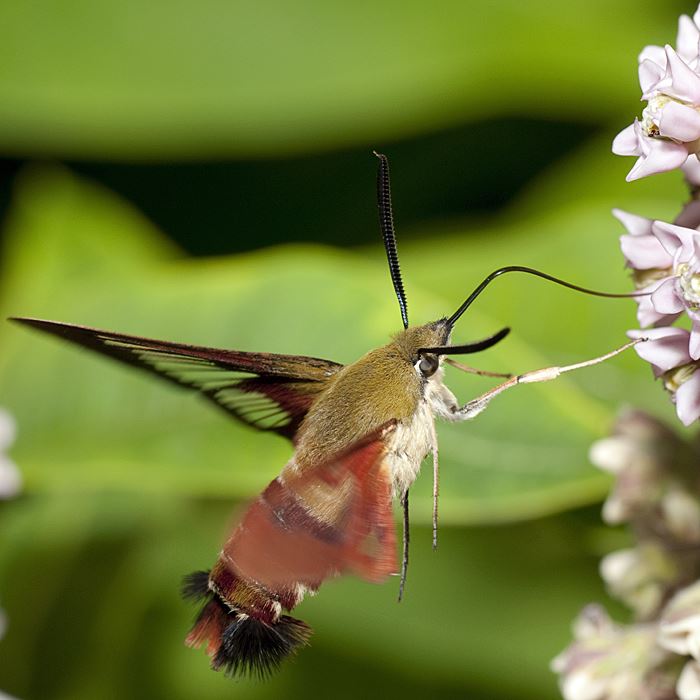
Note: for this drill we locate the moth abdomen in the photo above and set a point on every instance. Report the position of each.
(195, 586)
(240, 626)
(251, 646)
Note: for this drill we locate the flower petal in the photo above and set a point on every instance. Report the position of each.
(687, 39)
(691, 170)
(674, 636)
(617, 565)
(679, 122)
(666, 348)
(650, 73)
(673, 238)
(694, 345)
(694, 644)
(688, 399)
(665, 299)
(615, 510)
(653, 53)
(688, 686)
(645, 252)
(636, 225)
(626, 143)
(685, 84)
(583, 685)
(661, 156)
(611, 454)
(647, 315)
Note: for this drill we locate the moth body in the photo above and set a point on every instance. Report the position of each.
(384, 385)
(360, 433)
(308, 516)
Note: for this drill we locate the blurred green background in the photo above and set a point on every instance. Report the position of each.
(202, 172)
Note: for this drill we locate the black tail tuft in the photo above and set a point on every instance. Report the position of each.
(195, 585)
(251, 647)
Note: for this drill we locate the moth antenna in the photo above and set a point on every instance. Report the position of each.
(531, 271)
(406, 541)
(386, 224)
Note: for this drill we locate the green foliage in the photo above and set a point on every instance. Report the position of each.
(130, 483)
(183, 79)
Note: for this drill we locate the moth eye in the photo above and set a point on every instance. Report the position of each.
(428, 365)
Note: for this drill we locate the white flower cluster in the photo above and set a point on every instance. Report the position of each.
(656, 493)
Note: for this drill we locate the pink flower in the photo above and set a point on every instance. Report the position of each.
(640, 246)
(680, 291)
(665, 259)
(669, 131)
(655, 155)
(687, 41)
(649, 261)
(667, 351)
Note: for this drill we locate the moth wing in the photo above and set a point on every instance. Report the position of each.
(307, 526)
(267, 391)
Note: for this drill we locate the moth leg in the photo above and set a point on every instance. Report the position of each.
(476, 406)
(406, 538)
(436, 480)
(474, 370)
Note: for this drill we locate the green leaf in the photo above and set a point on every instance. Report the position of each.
(127, 80)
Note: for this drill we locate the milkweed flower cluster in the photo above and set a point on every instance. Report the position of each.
(608, 661)
(669, 130)
(656, 657)
(665, 257)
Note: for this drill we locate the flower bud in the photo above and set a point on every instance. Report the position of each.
(640, 454)
(679, 627)
(607, 661)
(680, 513)
(688, 687)
(640, 577)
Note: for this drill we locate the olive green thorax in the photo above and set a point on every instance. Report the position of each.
(381, 386)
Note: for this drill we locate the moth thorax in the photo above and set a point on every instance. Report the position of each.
(409, 446)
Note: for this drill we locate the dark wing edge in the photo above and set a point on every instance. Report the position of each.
(266, 391)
